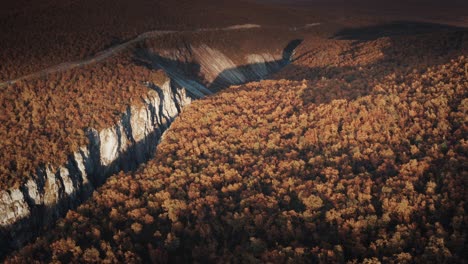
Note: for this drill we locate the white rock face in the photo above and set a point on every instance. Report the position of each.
(216, 70)
(12, 206)
(264, 64)
(110, 143)
(214, 62)
(53, 191)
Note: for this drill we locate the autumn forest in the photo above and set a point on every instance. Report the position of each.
(250, 131)
(348, 160)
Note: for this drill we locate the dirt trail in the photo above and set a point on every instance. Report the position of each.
(113, 50)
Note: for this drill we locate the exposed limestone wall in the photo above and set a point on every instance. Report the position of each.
(52, 191)
(212, 68)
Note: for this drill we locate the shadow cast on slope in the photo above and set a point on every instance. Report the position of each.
(454, 44)
(255, 71)
(43, 217)
(187, 72)
(400, 56)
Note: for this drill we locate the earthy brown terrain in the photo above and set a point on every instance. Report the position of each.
(36, 35)
(354, 153)
(45, 119)
(41, 34)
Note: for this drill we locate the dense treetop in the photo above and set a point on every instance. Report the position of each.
(358, 159)
(37, 35)
(44, 120)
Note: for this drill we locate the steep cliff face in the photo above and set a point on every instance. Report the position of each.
(53, 190)
(195, 65)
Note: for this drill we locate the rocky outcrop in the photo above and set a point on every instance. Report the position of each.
(213, 68)
(52, 191)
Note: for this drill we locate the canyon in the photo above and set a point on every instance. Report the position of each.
(187, 74)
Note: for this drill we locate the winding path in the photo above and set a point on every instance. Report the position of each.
(102, 55)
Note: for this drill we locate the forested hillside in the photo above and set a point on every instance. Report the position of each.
(45, 120)
(38, 35)
(354, 153)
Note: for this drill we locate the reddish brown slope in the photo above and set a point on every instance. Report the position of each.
(40, 34)
(361, 159)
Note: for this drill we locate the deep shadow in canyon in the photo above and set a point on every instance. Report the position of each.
(456, 45)
(27, 229)
(191, 71)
